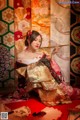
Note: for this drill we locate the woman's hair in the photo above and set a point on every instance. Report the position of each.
(31, 36)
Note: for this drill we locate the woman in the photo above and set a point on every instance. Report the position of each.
(43, 74)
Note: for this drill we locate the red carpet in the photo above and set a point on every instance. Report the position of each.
(37, 106)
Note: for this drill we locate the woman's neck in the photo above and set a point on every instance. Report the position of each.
(31, 50)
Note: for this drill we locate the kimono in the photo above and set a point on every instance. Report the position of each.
(45, 76)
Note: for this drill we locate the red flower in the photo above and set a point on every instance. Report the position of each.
(17, 3)
(29, 33)
(28, 10)
(18, 35)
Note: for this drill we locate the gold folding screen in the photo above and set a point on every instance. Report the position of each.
(34, 15)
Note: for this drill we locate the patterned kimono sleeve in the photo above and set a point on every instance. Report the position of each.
(57, 69)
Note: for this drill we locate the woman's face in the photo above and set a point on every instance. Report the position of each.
(35, 45)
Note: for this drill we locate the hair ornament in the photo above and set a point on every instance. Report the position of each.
(29, 33)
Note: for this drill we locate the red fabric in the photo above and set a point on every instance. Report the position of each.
(37, 106)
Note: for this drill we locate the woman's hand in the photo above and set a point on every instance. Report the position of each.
(56, 49)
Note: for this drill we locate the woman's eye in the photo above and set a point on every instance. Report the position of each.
(40, 40)
(35, 39)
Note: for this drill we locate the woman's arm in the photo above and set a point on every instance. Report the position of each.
(57, 69)
(55, 66)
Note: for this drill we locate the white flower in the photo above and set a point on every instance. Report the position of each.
(23, 25)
